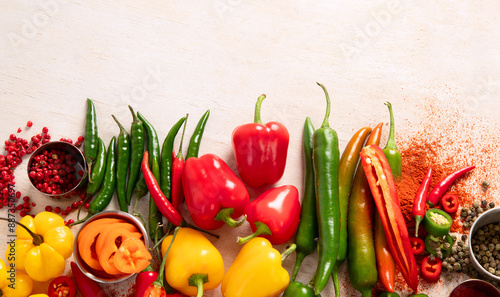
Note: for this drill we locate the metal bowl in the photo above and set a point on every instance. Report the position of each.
(488, 217)
(80, 166)
(101, 276)
(475, 285)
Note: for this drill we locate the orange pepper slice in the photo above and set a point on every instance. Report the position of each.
(87, 240)
(107, 245)
(132, 256)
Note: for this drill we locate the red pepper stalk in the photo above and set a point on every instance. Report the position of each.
(420, 199)
(382, 185)
(260, 150)
(441, 188)
(156, 289)
(177, 168)
(275, 215)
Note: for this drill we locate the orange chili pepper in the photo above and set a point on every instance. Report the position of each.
(107, 245)
(132, 256)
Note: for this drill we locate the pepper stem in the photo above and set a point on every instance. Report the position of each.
(258, 105)
(197, 280)
(37, 238)
(391, 142)
(418, 219)
(335, 277)
(326, 124)
(82, 220)
(262, 229)
(159, 280)
(225, 216)
(184, 224)
(298, 262)
(122, 130)
(179, 154)
(135, 119)
(288, 252)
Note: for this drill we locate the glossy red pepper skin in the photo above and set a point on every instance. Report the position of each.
(209, 187)
(417, 245)
(450, 204)
(164, 206)
(431, 270)
(441, 188)
(143, 281)
(260, 150)
(177, 191)
(382, 185)
(86, 286)
(420, 199)
(67, 283)
(279, 210)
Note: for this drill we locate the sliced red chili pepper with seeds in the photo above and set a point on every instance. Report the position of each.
(450, 203)
(417, 245)
(431, 269)
(62, 286)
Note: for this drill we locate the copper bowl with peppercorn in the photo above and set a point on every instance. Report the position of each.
(484, 244)
(57, 169)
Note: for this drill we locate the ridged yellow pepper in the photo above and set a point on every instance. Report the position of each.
(256, 271)
(41, 254)
(193, 264)
(20, 287)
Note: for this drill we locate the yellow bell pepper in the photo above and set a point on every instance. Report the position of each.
(39, 295)
(256, 271)
(193, 264)
(20, 286)
(42, 251)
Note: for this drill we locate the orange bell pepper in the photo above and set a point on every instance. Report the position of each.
(132, 256)
(107, 245)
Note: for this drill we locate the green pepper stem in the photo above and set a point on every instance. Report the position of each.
(298, 262)
(365, 292)
(418, 219)
(262, 229)
(185, 224)
(135, 119)
(326, 123)
(179, 153)
(37, 238)
(159, 280)
(225, 216)
(258, 105)
(391, 140)
(335, 277)
(82, 220)
(197, 280)
(123, 131)
(288, 252)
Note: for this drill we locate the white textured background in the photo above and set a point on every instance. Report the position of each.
(169, 58)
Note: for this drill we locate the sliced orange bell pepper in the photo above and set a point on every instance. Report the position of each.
(132, 256)
(107, 245)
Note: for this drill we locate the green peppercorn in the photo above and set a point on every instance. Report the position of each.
(485, 184)
(480, 210)
(431, 257)
(491, 270)
(484, 203)
(492, 204)
(467, 261)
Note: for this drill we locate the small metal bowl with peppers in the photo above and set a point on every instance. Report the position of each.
(484, 244)
(57, 169)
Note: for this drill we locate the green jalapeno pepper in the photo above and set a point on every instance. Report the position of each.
(122, 163)
(437, 222)
(432, 243)
(326, 157)
(297, 289)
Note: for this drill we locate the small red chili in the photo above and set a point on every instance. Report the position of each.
(62, 286)
(431, 269)
(417, 245)
(450, 203)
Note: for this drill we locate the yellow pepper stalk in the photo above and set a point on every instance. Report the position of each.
(257, 271)
(21, 286)
(42, 250)
(193, 264)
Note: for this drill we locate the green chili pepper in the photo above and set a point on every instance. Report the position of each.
(418, 295)
(307, 232)
(102, 200)
(388, 294)
(297, 289)
(90, 144)
(136, 153)
(326, 172)
(194, 144)
(141, 189)
(155, 216)
(347, 167)
(166, 159)
(99, 169)
(437, 222)
(432, 243)
(122, 163)
(391, 151)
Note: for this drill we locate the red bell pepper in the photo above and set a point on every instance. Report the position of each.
(86, 286)
(418, 211)
(382, 185)
(260, 150)
(441, 188)
(214, 194)
(431, 269)
(274, 215)
(143, 280)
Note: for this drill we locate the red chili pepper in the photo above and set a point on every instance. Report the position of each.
(143, 280)
(431, 270)
(214, 194)
(164, 206)
(420, 199)
(274, 215)
(443, 185)
(382, 185)
(417, 245)
(86, 286)
(260, 150)
(60, 285)
(450, 203)
(177, 168)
